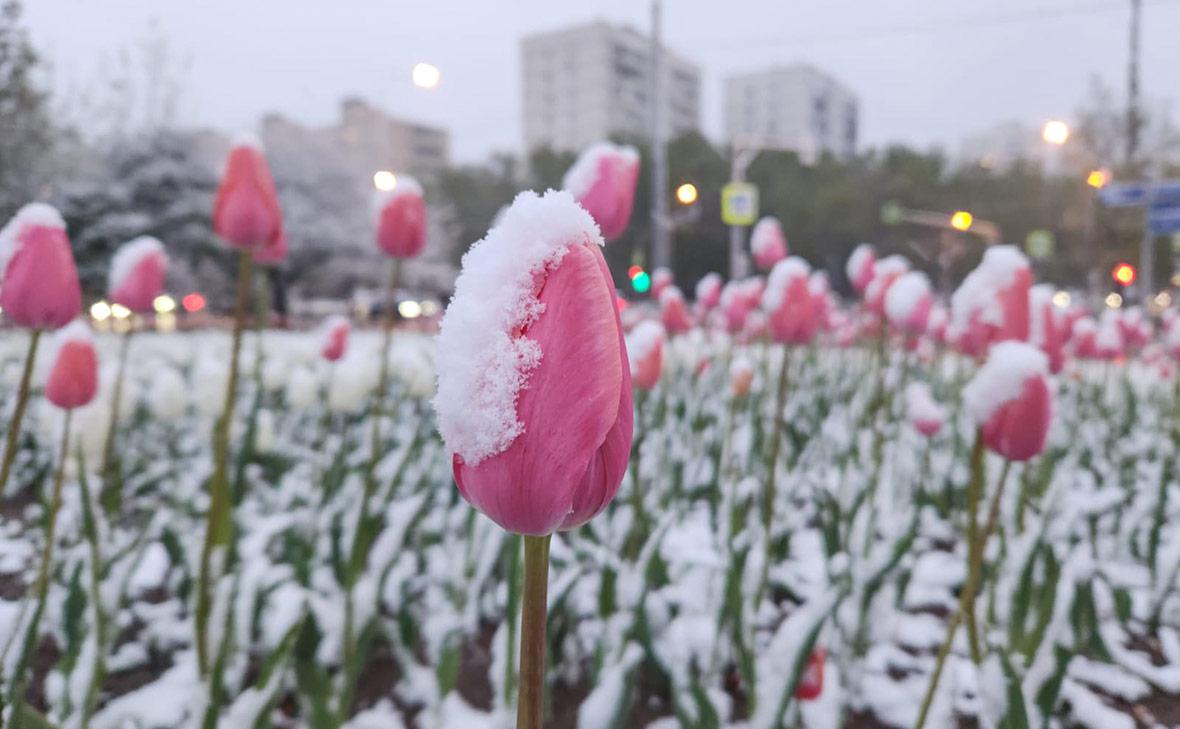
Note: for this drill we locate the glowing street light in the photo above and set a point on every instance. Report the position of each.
(1113, 300)
(119, 311)
(962, 220)
(409, 309)
(686, 194)
(1055, 132)
(1097, 179)
(1061, 299)
(425, 75)
(384, 180)
(164, 304)
(1123, 273)
(100, 311)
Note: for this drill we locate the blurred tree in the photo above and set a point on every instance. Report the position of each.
(25, 130)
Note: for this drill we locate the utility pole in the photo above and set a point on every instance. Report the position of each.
(1133, 120)
(661, 242)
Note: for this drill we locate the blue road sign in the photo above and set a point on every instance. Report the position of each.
(1138, 194)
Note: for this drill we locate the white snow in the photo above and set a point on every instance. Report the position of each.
(920, 403)
(780, 278)
(903, 296)
(708, 286)
(481, 362)
(641, 340)
(36, 213)
(977, 293)
(580, 177)
(128, 257)
(1000, 379)
(861, 255)
(766, 232)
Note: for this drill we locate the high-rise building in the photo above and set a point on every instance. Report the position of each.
(590, 82)
(798, 108)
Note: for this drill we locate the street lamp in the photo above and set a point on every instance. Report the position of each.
(1097, 179)
(686, 194)
(1055, 132)
(962, 220)
(384, 180)
(425, 75)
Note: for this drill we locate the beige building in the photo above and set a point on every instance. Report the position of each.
(798, 108)
(589, 82)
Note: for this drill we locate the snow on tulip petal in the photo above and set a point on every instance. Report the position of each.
(885, 272)
(39, 289)
(73, 372)
(1009, 399)
(788, 302)
(768, 243)
(645, 350)
(602, 180)
(860, 267)
(137, 273)
(923, 411)
(995, 296)
(908, 302)
(708, 291)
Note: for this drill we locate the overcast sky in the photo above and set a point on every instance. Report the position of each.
(926, 71)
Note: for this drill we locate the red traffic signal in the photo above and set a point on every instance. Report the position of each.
(1123, 273)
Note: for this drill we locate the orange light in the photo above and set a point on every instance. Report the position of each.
(1124, 273)
(193, 302)
(686, 194)
(962, 220)
(634, 271)
(1097, 179)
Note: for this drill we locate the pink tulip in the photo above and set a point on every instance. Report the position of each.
(673, 311)
(246, 211)
(822, 302)
(645, 349)
(768, 243)
(924, 412)
(936, 323)
(401, 219)
(788, 304)
(137, 274)
(274, 252)
(603, 182)
(908, 302)
(1047, 326)
(741, 377)
(992, 303)
(40, 285)
(334, 338)
(73, 374)
(1082, 338)
(661, 278)
(1109, 341)
(885, 272)
(1010, 400)
(708, 293)
(534, 386)
(861, 267)
(811, 682)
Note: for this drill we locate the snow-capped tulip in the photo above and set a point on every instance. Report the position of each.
(673, 311)
(401, 219)
(645, 350)
(661, 278)
(602, 180)
(908, 302)
(741, 376)
(708, 292)
(534, 386)
(1010, 400)
(246, 211)
(924, 412)
(1108, 341)
(811, 683)
(40, 282)
(137, 273)
(1082, 338)
(768, 243)
(788, 303)
(1047, 326)
(334, 338)
(936, 323)
(885, 272)
(861, 266)
(992, 303)
(822, 303)
(73, 374)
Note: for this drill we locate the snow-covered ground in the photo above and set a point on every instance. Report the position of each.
(668, 610)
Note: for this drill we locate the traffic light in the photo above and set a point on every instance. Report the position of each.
(1123, 274)
(640, 281)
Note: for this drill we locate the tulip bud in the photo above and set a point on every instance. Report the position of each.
(246, 211)
(908, 302)
(861, 267)
(401, 219)
(73, 374)
(768, 243)
(137, 273)
(673, 311)
(602, 180)
(1010, 400)
(925, 414)
(992, 303)
(885, 272)
(708, 293)
(741, 377)
(274, 252)
(40, 282)
(534, 386)
(645, 350)
(334, 337)
(1047, 326)
(661, 278)
(788, 304)
(811, 683)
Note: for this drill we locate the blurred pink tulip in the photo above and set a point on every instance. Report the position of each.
(708, 293)
(788, 303)
(40, 286)
(924, 412)
(645, 350)
(603, 182)
(73, 374)
(401, 219)
(861, 266)
(741, 377)
(246, 211)
(661, 278)
(137, 274)
(885, 272)
(1010, 400)
(673, 311)
(1047, 326)
(768, 243)
(908, 302)
(334, 338)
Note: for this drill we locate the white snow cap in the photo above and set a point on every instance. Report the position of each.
(780, 277)
(581, 176)
(818, 284)
(920, 403)
(709, 283)
(887, 269)
(403, 185)
(481, 363)
(860, 256)
(646, 336)
(1000, 379)
(36, 213)
(903, 296)
(978, 291)
(669, 294)
(128, 257)
(766, 232)
(741, 365)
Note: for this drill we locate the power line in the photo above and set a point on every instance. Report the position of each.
(941, 26)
